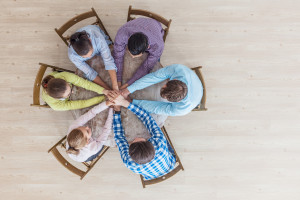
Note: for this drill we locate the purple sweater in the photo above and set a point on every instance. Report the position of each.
(154, 31)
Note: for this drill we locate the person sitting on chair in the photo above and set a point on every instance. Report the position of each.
(151, 158)
(87, 42)
(139, 36)
(57, 89)
(80, 145)
(183, 90)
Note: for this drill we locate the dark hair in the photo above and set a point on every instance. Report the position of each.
(81, 43)
(137, 43)
(141, 152)
(175, 91)
(55, 87)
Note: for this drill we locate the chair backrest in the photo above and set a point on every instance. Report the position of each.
(38, 83)
(68, 165)
(178, 167)
(201, 106)
(77, 19)
(152, 15)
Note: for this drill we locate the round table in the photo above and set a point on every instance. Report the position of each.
(132, 125)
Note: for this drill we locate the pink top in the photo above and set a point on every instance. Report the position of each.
(95, 144)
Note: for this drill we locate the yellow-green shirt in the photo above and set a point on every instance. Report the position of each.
(62, 105)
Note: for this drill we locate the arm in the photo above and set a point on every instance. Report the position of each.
(74, 105)
(100, 82)
(152, 78)
(113, 78)
(120, 138)
(89, 72)
(83, 119)
(81, 82)
(160, 108)
(147, 120)
(107, 127)
(121, 41)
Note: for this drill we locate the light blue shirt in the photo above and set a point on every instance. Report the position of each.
(178, 72)
(100, 44)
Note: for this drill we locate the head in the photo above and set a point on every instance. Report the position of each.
(141, 151)
(56, 87)
(174, 91)
(82, 44)
(78, 138)
(137, 44)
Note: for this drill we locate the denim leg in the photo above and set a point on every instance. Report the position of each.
(94, 156)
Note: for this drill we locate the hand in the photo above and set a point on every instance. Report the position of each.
(105, 92)
(125, 92)
(124, 86)
(117, 108)
(112, 94)
(118, 99)
(109, 103)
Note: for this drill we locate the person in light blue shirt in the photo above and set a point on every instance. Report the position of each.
(87, 42)
(183, 91)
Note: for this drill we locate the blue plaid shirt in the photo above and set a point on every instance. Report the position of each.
(100, 44)
(163, 161)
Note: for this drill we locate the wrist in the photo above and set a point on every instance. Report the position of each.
(125, 103)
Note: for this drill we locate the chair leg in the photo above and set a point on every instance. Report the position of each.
(143, 182)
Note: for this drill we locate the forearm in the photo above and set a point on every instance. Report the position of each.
(146, 118)
(107, 127)
(83, 119)
(100, 82)
(158, 107)
(113, 78)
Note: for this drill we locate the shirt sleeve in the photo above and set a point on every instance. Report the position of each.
(160, 107)
(147, 120)
(63, 105)
(103, 48)
(155, 52)
(89, 72)
(120, 138)
(151, 79)
(121, 41)
(81, 82)
(107, 127)
(83, 119)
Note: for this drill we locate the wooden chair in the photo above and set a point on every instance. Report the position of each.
(89, 165)
(178, 167)
(201, 106)
(77, 19)
(38, 83)
(152, 15)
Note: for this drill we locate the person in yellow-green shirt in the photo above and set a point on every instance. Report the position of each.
(57, 88)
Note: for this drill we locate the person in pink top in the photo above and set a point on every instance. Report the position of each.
(80, 145)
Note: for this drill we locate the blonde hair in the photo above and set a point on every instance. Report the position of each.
(76, 141)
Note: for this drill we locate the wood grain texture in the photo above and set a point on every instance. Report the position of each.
(246, 146)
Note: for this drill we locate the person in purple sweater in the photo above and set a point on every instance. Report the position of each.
(139, 36)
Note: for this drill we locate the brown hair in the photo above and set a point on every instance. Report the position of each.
(175, 91)
(81, 43)
(141, 152)
(55, 87)
(76, 141)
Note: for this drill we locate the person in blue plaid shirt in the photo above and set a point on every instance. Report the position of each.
(151, 158)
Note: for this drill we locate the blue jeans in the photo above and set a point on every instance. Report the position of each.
(94, 156)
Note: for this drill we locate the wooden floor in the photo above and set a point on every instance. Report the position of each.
(246, 146)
